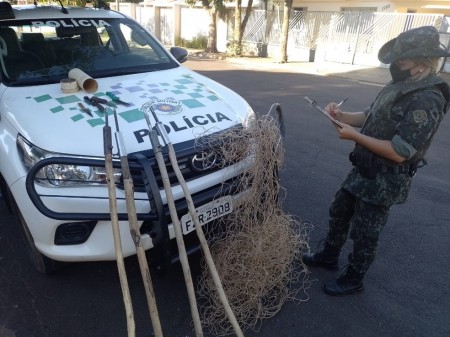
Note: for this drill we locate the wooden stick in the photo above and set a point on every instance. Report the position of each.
(178, 233)
(107, 141)
(204, 244)
(135, 233)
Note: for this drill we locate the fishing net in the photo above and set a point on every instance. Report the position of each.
(257, 249)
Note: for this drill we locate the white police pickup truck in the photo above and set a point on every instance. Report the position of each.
(52, 172)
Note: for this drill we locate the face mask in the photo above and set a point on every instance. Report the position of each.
(397, 74)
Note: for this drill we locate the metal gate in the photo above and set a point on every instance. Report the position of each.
(356, 38)
(344, 37)
(166, 26)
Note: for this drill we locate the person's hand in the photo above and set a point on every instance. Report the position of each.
(346, 132)
(333, 109)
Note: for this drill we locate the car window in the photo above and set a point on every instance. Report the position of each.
(38, 52)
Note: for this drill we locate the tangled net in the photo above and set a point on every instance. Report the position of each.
(258, 247)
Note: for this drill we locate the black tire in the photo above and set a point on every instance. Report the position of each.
(42, 263)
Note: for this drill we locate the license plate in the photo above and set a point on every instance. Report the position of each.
(208, 212)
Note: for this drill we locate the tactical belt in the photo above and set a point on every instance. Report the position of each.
(397, 169)
(369, 165)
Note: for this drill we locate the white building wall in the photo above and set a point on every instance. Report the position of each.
(146, 16)
(402, 6)
(125, 8)
(194, 22)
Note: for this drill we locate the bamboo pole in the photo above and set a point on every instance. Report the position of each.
(204, 244)
(178, 233)
(201, 236)
(135, 233)
(107, 142)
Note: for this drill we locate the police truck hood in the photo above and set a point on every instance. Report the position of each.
(186, 103)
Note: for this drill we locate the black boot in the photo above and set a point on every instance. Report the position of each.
(350, 282)
(327, 258)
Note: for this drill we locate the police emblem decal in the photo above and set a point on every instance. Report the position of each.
(166, 107)
(419, 116)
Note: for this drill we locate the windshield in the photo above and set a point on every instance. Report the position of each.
(41, 52)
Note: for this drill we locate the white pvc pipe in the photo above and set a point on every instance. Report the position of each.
(85, 82)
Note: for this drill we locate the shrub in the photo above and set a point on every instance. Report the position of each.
(198, 42)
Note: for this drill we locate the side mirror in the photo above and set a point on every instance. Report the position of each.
(180, 54)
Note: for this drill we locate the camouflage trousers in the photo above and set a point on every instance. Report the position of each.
(363, 220)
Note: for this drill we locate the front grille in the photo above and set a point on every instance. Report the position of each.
(184, 164)
(201, 149)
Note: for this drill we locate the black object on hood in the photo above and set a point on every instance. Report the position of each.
(414, 43)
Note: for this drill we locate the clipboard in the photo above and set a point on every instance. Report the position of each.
(313, 103)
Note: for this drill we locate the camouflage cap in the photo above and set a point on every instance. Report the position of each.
(417, 42)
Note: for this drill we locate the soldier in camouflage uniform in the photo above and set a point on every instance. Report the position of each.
(396, 131)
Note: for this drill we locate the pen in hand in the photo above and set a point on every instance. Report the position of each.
(341, 102)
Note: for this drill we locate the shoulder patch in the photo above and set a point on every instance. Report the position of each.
(419, 116)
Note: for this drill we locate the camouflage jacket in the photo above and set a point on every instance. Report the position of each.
(406, 113)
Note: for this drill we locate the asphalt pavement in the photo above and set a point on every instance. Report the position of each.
(407, 287)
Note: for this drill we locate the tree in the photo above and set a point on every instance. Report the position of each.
(133, 1)
(285, 31)
(95, 3)
(239, 25)
(79, 3)
(237, 40)
(215, 7)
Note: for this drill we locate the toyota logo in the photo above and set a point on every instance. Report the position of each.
(203, 161)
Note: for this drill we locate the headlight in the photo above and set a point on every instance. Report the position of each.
(65, 175)
(61, 174)
(249, 118)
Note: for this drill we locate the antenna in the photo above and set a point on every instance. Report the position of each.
(63, 9)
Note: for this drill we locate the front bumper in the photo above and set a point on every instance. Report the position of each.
(56, 207)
